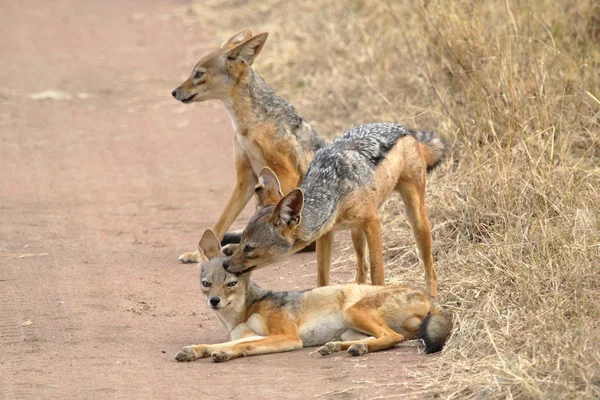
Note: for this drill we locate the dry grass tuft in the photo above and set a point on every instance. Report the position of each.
(515, 87)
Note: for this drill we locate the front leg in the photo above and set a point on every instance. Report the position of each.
(194, 352)
(324, 252)
(242, 192)
(359, 241)
(271, 344)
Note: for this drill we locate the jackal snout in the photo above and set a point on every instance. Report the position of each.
(183, 95)
(214, 301)
(269, 235)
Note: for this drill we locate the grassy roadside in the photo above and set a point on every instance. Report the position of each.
(515, 87)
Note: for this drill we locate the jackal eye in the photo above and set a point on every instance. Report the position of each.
(206, 283)
(248, 249)
(232, 284)
(198, 74)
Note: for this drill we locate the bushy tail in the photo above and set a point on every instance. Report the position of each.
(434, 148)
(435, 329)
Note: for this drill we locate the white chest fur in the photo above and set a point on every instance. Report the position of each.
(246, 143)
(234, 122)
(252, 151)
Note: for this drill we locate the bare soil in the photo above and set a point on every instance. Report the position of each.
(105, 180)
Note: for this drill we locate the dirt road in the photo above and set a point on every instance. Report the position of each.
(105, 180)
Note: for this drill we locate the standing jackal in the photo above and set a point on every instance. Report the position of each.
(358, 318)
(344, 187)
(268, 130)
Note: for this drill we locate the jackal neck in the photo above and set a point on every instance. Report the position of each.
(251, 101)
(318, 216)
(278, 299)
(253, 293)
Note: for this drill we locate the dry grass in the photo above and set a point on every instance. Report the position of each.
(515, 87)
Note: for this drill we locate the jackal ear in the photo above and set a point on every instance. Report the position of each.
(247, 50)
(268, 189)
(289, 209)
(236, 39)
(209, 245)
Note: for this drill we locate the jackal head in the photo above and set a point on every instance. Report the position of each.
(215, 75)
(273, 230)
(221, 289)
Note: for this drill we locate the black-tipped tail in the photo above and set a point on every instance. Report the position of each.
(232, 238)
(435, 329)
(434, 147)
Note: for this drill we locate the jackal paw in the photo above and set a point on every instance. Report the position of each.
(228, 249)
(329, 348)
(186, 353)
(190, 257)
(220, 356)
(358, 349)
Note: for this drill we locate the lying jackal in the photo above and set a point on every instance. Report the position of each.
(268, 130)
(358, 318)
(344, 187)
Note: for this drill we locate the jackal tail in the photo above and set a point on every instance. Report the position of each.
(435, 329)
(434, 147)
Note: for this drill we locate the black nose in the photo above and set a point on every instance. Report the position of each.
(214, 301)
(226, 264)
(174, 93)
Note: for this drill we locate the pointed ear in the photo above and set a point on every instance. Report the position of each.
(236, 39)
(247, 50)
(209, 245)
(268, 189)
(289, 209)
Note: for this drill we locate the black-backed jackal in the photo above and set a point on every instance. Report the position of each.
(357, 318)
(268, 130)
(344, 187)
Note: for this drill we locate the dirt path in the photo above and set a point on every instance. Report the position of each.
(104, 182)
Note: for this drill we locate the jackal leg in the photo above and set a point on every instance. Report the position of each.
(413, 196)
(232, 237)
(359, 241)
(271, 344)
(194, 352)
(372, 229)
(324, 252)
(240, 334)
(241, 194)
(361, 318)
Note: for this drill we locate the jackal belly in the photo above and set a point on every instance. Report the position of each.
(321, 328)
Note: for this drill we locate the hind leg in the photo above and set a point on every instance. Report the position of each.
(362, 319)
(359, 241)
(372, 229)
(413, 196)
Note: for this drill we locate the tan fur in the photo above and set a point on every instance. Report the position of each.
(376, 317)
(403, 170)
(258, 142)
